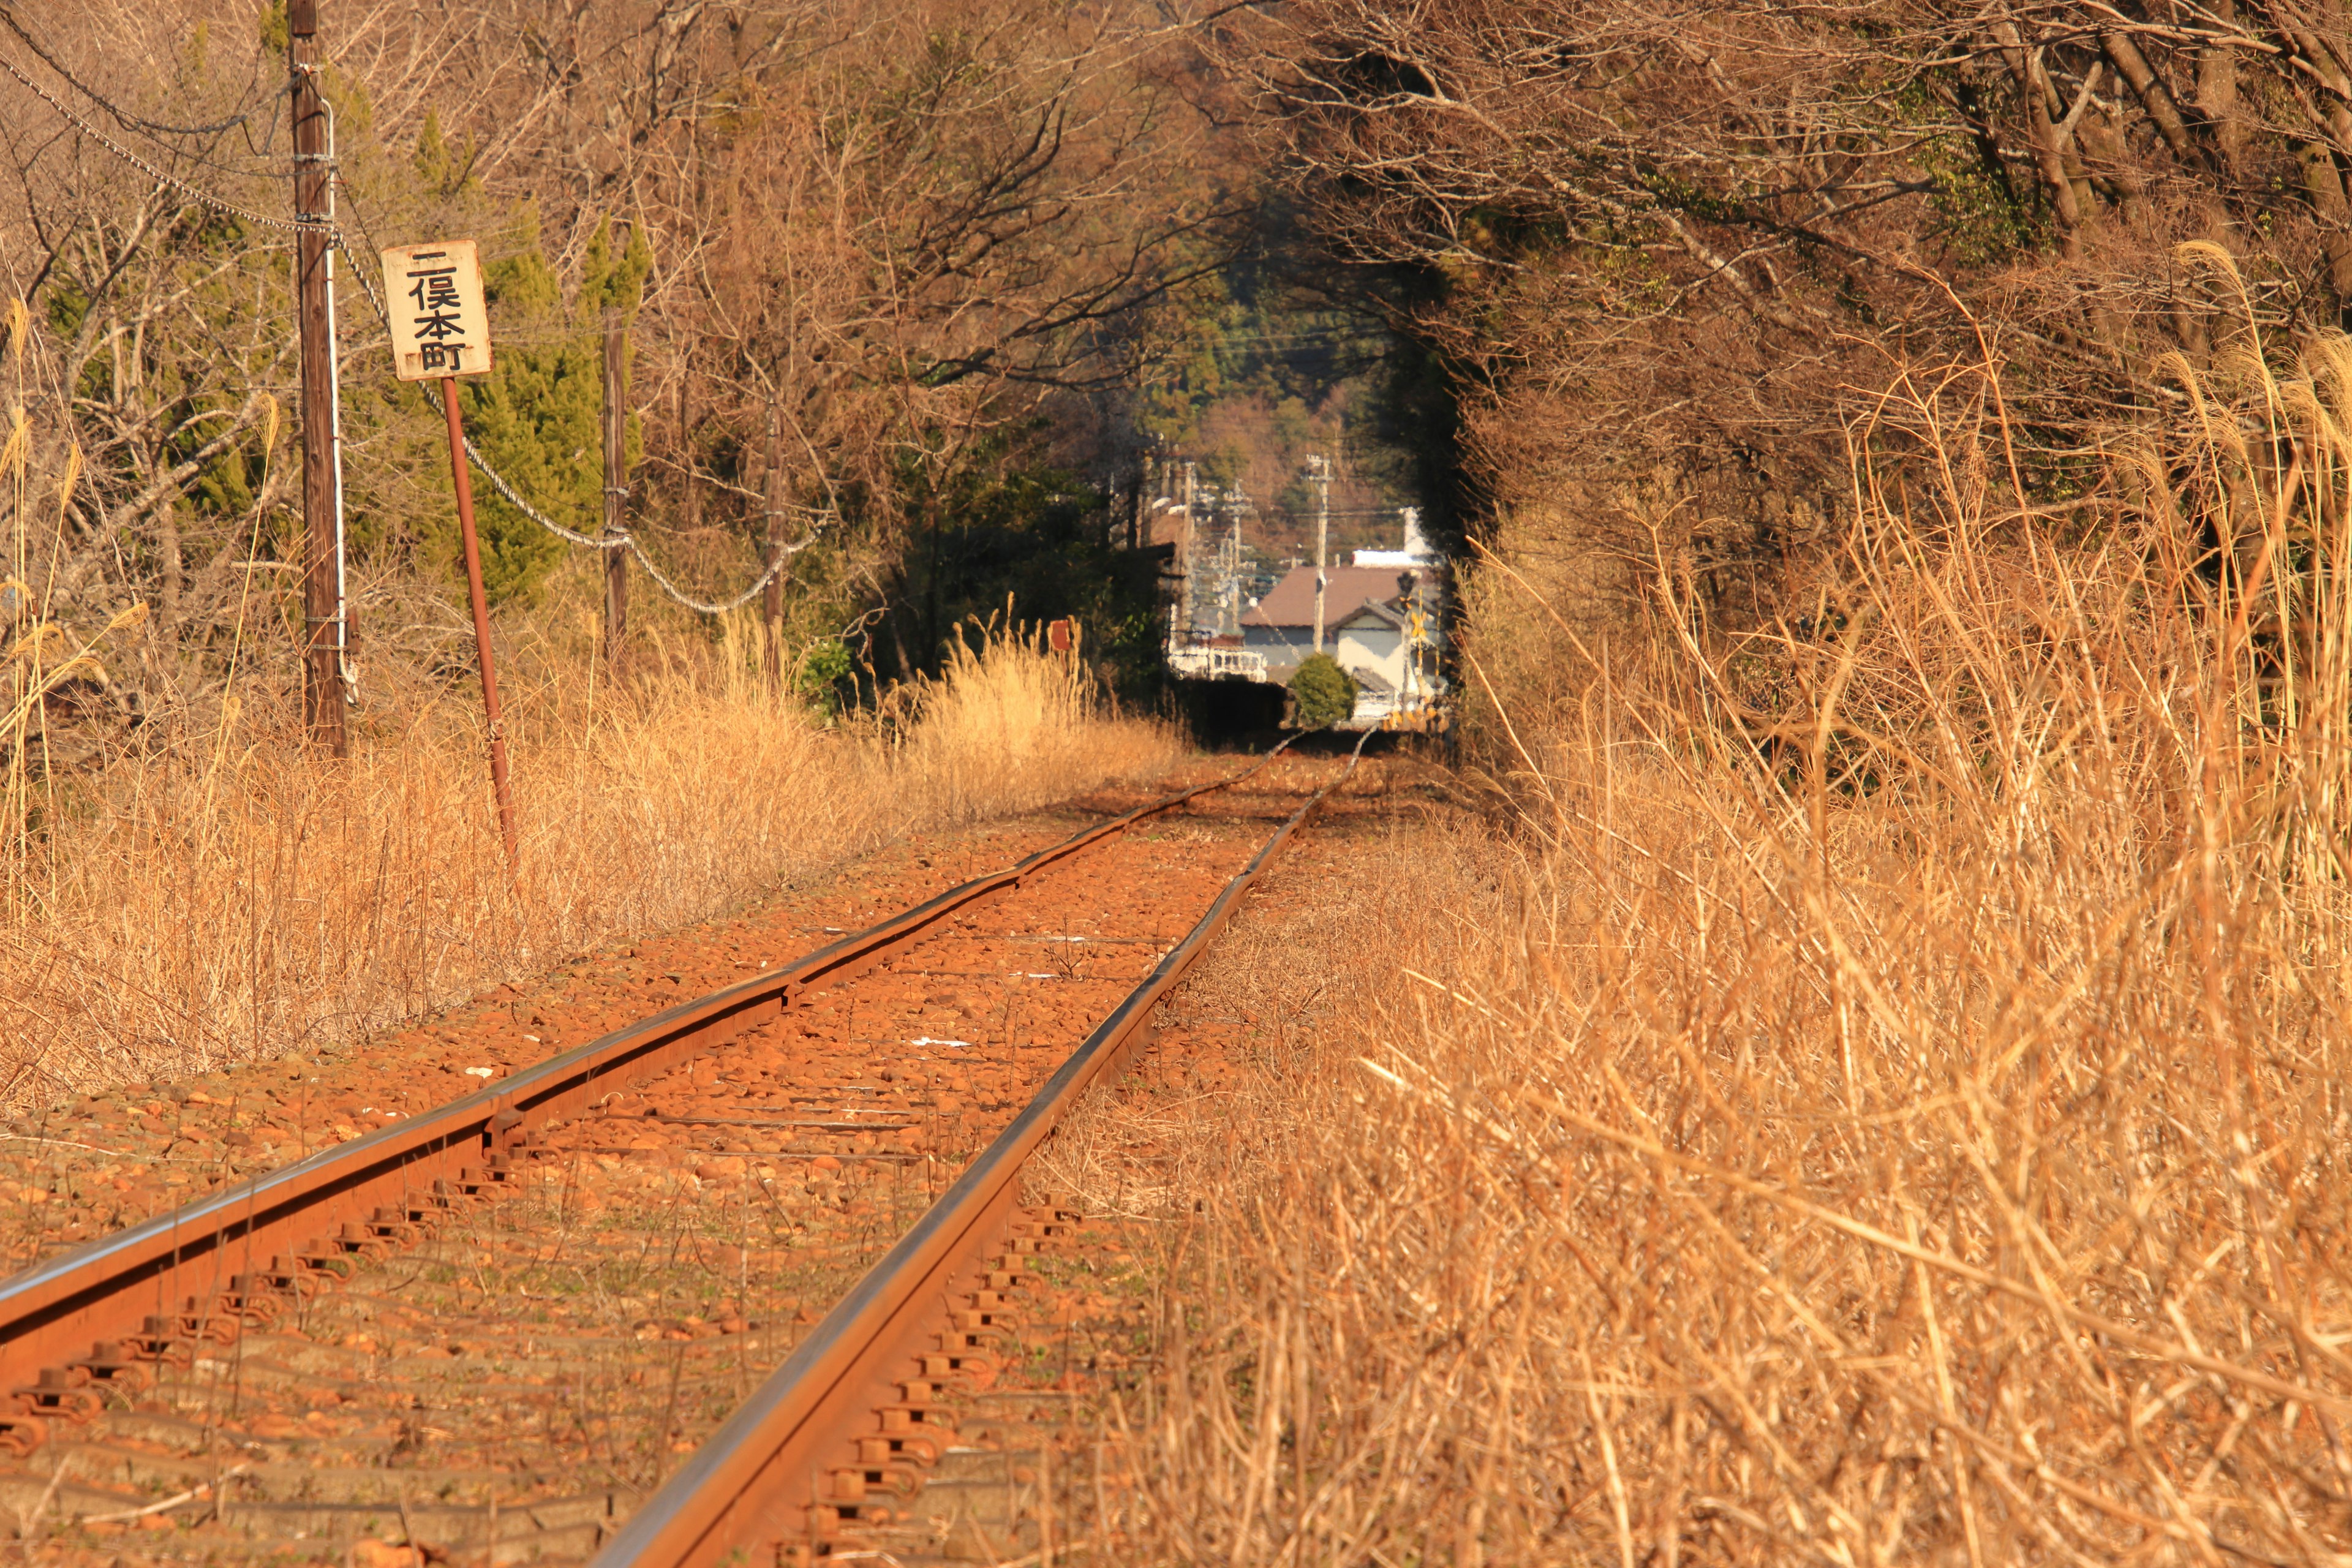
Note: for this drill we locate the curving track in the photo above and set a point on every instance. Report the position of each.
(508, 1327)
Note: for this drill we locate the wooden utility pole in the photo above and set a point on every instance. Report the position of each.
(1322, 469)
(686, 443)
(772, 597)
(617, 487)
(323, 618)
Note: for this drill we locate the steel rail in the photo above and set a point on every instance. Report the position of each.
(755, 1483)
(199, 1262)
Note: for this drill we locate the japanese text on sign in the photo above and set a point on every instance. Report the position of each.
(440, 324)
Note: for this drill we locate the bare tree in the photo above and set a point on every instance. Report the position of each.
(889, 230)
(1666, 243)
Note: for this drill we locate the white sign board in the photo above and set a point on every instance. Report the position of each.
(440, 326)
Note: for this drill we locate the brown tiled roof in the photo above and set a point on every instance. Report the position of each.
(1347, 590)
(1376, 611)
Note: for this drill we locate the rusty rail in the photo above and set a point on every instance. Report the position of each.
(757, 1482)
(149, 1293)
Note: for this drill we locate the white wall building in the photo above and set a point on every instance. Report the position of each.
(1370, 613)
(1417, 551)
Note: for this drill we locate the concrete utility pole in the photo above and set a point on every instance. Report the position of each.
(1180, 628)
(1320, 466)
(616, 486)
(772, 597)
(322, 609)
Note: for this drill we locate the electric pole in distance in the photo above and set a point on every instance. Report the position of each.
(1320, 466)
(323, 618)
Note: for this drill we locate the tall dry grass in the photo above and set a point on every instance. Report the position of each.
(1005, 719)
(245, 898)
(1882, 1100)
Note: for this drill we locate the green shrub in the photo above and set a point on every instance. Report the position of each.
(1325, 693)
(825, 667)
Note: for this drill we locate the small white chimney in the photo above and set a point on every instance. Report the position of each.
(1415, 546)
(1416, 550)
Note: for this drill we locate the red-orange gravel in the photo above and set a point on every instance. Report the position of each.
(536, 1367)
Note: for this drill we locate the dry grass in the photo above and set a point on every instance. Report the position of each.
(1882, 1101)
(244, 899)
(1002, 728)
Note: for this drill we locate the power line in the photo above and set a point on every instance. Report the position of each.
(336, 238)
(123, 117)
(624, 541)
(193, 191)
(1262, 339)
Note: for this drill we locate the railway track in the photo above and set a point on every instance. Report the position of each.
(544, 1321)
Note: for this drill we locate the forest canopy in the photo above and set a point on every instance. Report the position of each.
(874, 266)
(933, 284)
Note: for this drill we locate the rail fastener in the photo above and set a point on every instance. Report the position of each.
(774, 1479)
(285, 1232)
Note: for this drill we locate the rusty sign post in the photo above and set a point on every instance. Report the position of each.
(441, 330)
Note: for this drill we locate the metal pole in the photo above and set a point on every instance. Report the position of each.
(616, 489)
(322, 683)
(346, 677)
(1322, 539)
(482, 619)
(772, 597)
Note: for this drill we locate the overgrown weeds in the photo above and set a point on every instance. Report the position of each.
(1006, 718)
(1891, 1111)
(247, 899)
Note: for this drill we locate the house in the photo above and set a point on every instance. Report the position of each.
(1367, 622)
(1370, 646)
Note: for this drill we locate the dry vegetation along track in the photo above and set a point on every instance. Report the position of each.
(499, 1363)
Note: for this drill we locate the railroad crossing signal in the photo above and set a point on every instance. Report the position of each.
(1417, 638)
(440, 323)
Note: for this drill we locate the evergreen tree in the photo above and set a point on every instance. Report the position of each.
(538, 415)
(1325, 693)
